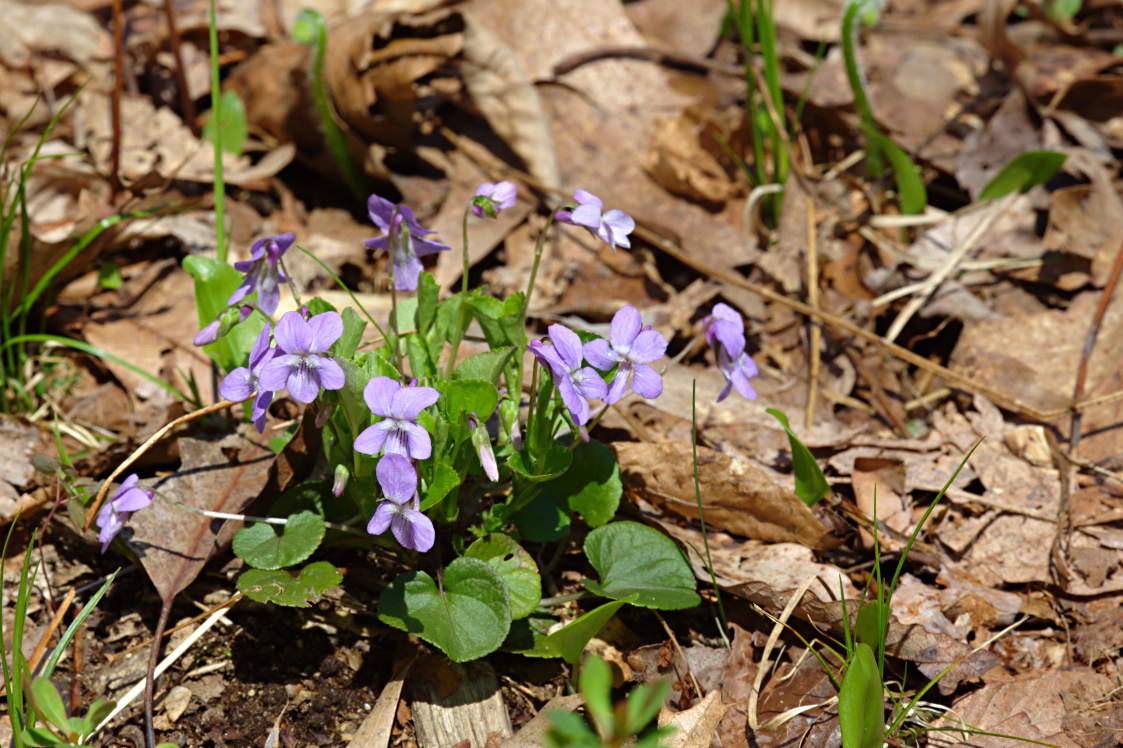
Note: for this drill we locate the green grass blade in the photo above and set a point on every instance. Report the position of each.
(68, 635)
(95, 351)
(216, 118)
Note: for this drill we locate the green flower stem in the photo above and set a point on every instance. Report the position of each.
(311, 29)
(291, 284)
(339, 282)
(850, 22)
(216, 118)
(464, 278)
(701, 514)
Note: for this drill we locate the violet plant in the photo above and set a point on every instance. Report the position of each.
(430, 455)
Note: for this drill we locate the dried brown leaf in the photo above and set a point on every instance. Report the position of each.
(737, 496)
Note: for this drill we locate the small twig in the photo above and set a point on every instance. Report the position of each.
(115, 102)
(955, 257)
(148, 444)
(52, 627)
(186, 103)
(813, 300)
(186, 644)
(1090, 344)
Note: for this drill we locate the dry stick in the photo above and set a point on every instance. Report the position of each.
(186, 103)
(813, 300)
(960, 381)
(1090, 344)
(52, 627)
(194, 636)
(118, 85)
(955, 257)
(148, 444)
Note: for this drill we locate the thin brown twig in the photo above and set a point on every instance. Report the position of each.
(1090, 344)
(118, 87)
(813, 299)
(147, 445)
(52, 627)
(186, 103)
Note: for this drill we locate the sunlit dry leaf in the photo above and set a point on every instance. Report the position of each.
(737, 496)
(1032, 707)
(879, 490)
(695, 727)
(679, 161)
(174, 544)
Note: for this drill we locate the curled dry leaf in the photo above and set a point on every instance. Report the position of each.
(696, 726)
(737, 495)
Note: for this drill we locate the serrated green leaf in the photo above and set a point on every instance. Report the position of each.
(467, 617)
(486, 366)
(1022, 173)
(638, 563)
(444, 479)
(515, 566)
(462, 396)
(861, 707)
(591, 486)
(810, 483)
(557, 460)
(232, 124)
(260, 547)
(544, 520)
(287, 588)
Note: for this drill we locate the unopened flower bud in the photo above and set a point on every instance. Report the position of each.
(323, 415)
(221, 325)
(340, 482)
(481, 440)
(509, 420)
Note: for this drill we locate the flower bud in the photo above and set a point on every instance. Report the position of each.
(509, 421)
(323, 415)
(340, 482)
(481, 440)
(221, 325)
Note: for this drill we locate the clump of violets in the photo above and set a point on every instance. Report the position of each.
(302, 364)
(490, 198)
(405, 240)
(631, 346)
(113, 515)
(245, 381)
(612, 227)
(264, 272)
(576, 384)
(725, 332)
(401, 512)
(398, 432)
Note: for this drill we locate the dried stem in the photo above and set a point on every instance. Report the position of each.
(1090, 344)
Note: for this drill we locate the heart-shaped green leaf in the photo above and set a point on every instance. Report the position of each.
(467, 617)
(289, 589)
(639, 564)
(262, 548)
(591, 485)
(517, 568)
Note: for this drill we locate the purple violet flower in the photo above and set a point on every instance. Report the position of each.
(111, 518)
(492, 198)
(245, 381)
(398, 432)
(725, 330)
(576, 384)
(301, 364)
(263, 272)
(405, 247)
(401, 511)
(613, 227)
(631, 347)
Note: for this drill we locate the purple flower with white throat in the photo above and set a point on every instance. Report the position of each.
(406, 246)
(398, 432)
(245, 381)
(576, 384)
(725, 331)
(301, 364)
(111, 518)
(263, 272)
(491, 198)
(630, 348)
(612, 227)
(401, 511)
